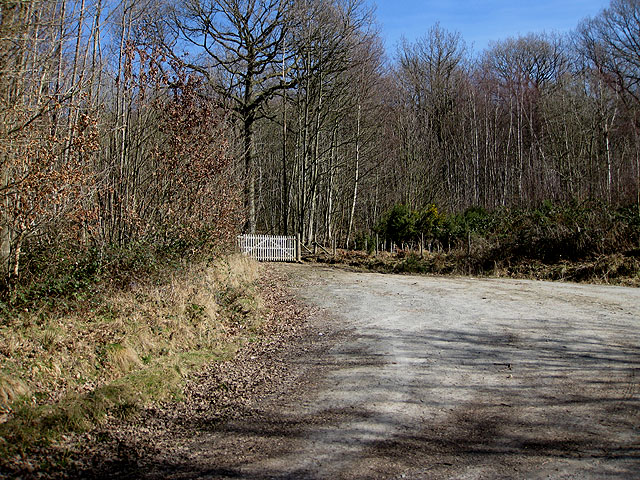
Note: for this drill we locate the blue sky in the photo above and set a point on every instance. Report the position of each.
(480, 22)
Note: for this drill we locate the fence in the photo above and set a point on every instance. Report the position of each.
(269, 248)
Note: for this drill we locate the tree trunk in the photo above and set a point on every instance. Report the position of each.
(285, 182)
(5, 233)
(315, 166)
(356, 175)
(250, 183)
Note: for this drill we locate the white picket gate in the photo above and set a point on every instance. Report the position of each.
(268, 248)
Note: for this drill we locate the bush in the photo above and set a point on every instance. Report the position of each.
(429, 221)
(571, 232)
(60, 277)
(549, 233)
(363, 241)
(398, 224)
(455, 229)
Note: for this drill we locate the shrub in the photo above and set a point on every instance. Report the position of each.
(398, 224)
(548, 233)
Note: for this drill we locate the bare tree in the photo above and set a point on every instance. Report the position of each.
(524, 69)
(238, 46)
(430, 73)
(611, 42)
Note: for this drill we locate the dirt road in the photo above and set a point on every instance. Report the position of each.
(418, 377)
(467, 378)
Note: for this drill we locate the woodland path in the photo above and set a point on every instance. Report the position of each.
(439, 377)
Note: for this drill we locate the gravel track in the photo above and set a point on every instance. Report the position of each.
(474, 378)
(430, 377)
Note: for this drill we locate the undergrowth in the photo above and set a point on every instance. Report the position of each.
(616, 269)
(583, 242)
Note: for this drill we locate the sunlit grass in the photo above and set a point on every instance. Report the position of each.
(69, 372)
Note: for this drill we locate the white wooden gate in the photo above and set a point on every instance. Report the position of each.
(268, 248)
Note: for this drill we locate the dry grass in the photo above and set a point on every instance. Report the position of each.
(10, 390)
(136, 347)
(122, 359)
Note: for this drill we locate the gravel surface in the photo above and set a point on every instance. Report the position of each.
(473, 378)
(413, 377)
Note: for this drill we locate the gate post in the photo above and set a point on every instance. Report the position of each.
(298, 249)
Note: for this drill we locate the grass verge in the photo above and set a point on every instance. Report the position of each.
(71, 371)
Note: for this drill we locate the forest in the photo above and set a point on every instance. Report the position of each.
(140, 127)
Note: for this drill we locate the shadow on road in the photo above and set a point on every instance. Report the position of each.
(520, 403)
